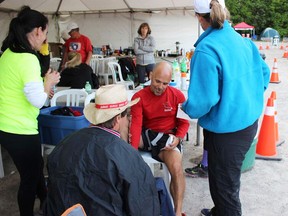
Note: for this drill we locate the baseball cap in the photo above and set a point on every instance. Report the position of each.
(203, 6)
(72, 26)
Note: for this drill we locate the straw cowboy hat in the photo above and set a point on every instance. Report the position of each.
(110, 101)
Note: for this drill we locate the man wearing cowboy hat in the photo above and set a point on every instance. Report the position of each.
(96, 168)
(155, 128)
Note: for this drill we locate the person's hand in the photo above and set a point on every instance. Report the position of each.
(51, 79)
(171, 146)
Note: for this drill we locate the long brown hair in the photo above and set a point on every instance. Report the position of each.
(144, 25)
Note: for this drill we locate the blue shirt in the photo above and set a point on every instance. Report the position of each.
(227, 81)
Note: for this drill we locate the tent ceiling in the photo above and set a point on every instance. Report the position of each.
(96, 6)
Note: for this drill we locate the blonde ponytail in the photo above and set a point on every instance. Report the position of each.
(217, 14)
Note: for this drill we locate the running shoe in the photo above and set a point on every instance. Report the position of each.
(197, 171)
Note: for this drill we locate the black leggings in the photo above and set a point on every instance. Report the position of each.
(25, 150)
(226, 153)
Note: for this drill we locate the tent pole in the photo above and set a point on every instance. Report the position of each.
(131, 27)
(128, 6)
(58, 7)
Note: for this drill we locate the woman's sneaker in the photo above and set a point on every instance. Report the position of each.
(197, 171)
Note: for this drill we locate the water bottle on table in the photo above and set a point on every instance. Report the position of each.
(88, 88)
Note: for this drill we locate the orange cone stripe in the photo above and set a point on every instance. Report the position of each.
(273, 96)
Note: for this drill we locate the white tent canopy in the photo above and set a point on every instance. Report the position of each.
(92, 6)
(114, 22)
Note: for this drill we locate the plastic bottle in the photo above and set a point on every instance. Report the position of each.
(176, 75)
(175, 69)
(184, 81)
(183, 74)
(88, 87)
(183, 65)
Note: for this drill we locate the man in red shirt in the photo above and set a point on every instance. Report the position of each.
(77, 43)
(154, 127)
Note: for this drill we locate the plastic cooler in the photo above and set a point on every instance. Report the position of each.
(249, 160)
(53, 128)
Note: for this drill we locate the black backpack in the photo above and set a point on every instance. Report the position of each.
(127, 67)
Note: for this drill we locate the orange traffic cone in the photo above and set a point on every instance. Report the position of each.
(274, 76)
(281, 47)
(266, 145)
(267, 47)
(273, 95)
(260, 47)
(285, 55)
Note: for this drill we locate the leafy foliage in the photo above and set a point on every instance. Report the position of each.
(261, 14)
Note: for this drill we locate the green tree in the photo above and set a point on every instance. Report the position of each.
(261, 14)
(280, 16)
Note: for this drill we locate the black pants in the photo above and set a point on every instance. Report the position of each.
(142, 70)
(226, 154)
(25, 151)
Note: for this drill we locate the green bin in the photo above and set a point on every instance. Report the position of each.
(249, 160)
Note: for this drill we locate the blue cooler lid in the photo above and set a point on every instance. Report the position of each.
(174, 84)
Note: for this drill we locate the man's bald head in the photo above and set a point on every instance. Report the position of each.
(163, 69)
(160, 77)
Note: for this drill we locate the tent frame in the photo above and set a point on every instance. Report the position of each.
(238, 27)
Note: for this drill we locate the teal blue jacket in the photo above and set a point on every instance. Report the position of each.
(227, 81)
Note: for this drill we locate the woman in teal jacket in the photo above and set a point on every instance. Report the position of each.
(227, 83)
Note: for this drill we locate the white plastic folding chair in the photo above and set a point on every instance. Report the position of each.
(103, 68)
(1, 165)
(89, 98)
(94, 63)
(73, 97)
(151, 162)
(115, 69)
